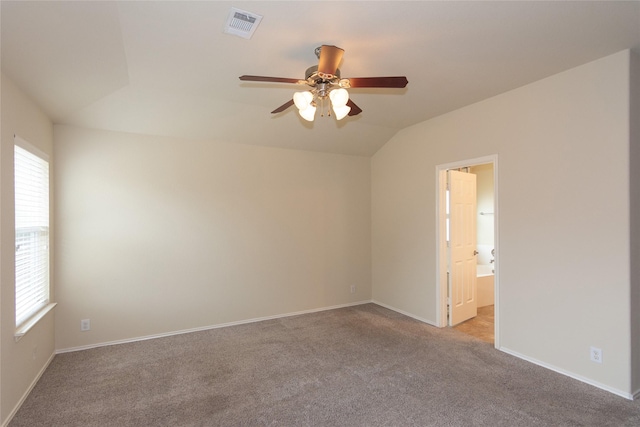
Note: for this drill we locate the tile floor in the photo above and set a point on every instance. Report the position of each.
(480, 326)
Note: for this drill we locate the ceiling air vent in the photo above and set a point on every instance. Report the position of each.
(242, 23)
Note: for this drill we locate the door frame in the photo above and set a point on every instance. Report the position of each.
(441, 244)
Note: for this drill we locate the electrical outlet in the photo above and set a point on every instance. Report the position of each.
(34, 353)
(353, 289)
(85, 325)
(596, 354)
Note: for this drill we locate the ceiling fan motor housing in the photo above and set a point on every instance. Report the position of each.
(313, 76)
(321, 83)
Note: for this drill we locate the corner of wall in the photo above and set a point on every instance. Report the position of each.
(634, 196)
(22, 362)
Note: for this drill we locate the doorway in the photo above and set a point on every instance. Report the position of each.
(486, 170)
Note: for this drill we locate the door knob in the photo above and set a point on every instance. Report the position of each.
(475, 252)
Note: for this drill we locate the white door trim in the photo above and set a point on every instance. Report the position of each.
(441, 249)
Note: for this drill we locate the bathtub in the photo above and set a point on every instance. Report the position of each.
(485, 285)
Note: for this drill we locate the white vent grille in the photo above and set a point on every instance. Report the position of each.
(242, 23)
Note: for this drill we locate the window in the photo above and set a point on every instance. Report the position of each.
(31, 174)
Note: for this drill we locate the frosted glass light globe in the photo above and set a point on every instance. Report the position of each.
(341, 112)
(339, 97)
(302, 99)
(308, 113)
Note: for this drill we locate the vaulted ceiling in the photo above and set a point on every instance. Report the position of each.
(168, 68)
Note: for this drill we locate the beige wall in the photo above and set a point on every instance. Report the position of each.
(18, 366)
(573, 216)
(634, 164)
(157, 235)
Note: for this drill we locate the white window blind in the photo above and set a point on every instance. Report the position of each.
(32, 231)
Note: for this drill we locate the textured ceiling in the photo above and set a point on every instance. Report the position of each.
(167, 68)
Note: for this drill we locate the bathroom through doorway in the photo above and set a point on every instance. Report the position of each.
(481, 290)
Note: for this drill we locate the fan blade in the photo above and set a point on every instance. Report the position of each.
(390, 82)
(268, 79)
(330, 57)
(355, 110)
(283, 107)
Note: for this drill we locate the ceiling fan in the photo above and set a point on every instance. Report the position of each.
(327, 86)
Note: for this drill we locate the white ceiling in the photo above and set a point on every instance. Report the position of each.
(167, 68)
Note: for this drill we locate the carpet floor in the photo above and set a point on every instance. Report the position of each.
(356, 366)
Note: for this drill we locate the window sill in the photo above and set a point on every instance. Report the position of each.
(24, 328)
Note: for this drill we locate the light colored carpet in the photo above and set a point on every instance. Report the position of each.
(358, 366)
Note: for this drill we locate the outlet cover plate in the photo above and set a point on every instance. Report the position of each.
(596, 354)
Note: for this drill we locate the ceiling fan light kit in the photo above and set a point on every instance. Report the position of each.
(326, 84)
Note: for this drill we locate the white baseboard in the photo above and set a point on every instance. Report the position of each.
(630, 396)
(613, 390)
(571, 374)
(28, 391)
(206, 328)
(413, 316)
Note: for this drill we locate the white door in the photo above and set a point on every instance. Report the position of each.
(463, 304)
